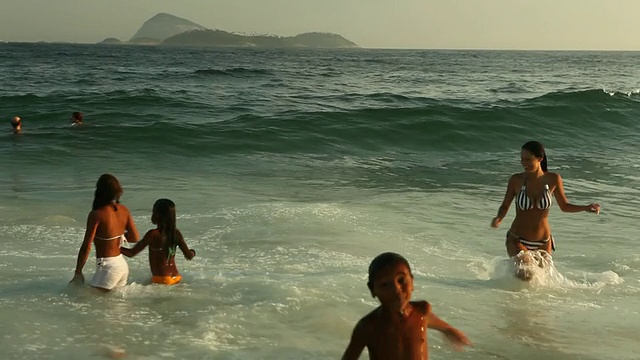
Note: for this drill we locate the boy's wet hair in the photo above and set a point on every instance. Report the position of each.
(382, 261)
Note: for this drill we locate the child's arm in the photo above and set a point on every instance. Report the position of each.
(357, 343)
(456, 337)
(140, 245)
(132, 232)
(188, 253)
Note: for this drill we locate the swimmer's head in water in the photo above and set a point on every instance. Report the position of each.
(383, 261)
(108, 190)
(77, 117)
(16, 121)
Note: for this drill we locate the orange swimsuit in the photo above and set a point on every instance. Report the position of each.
(166, 280)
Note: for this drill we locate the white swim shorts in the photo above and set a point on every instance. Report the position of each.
(110, 272)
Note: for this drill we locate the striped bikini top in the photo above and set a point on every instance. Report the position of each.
(524, 203)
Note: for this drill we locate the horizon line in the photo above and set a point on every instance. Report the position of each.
(60, 42)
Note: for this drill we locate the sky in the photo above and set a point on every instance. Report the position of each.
(409, 24)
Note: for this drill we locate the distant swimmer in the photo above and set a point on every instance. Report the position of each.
(533, 191)
(16, 123)
(163, 242)
(76, 118)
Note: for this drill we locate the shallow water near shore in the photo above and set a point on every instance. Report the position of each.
(291, 170)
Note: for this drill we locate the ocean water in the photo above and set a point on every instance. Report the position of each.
(291, 170)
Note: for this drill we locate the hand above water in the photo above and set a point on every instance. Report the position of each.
(593, 208)
(456, 338)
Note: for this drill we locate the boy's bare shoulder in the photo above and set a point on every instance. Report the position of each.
(423, 307)
(368, 322)
(370, 317)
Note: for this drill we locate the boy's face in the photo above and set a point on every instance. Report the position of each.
(393, 286)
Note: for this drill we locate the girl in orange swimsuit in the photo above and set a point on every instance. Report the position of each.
(163, 242)
(533, 190)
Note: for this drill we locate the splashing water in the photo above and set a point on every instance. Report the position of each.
(536, 267)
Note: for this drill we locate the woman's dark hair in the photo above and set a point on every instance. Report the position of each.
(77, 115)
(382, 261)
(536, 149)
(108, 190)
(164, 212)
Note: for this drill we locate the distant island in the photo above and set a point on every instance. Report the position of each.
(167, 29)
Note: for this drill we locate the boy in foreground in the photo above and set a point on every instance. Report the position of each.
(396, 330)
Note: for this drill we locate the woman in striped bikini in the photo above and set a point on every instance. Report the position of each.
(533, 190)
